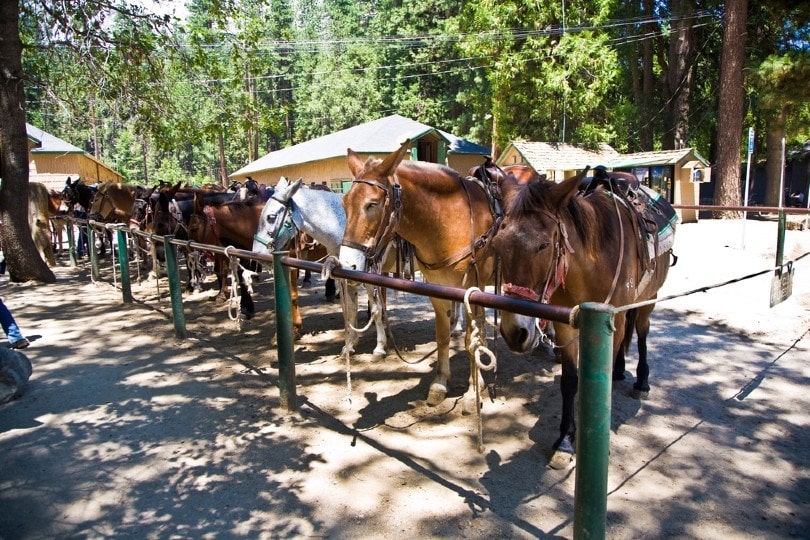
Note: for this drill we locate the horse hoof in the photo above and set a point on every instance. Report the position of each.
(560, 460)
(468, 405)
(330, 298)
(436, 394)
(639, 394)
(378, 356)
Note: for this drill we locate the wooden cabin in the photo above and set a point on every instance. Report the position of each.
(52, 160)
(323, 160)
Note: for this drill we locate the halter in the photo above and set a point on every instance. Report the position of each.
(142, 223)
(105, 198)
(557, 270)
(280, 226)
(393, 199)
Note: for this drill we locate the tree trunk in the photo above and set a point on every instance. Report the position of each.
(773, 167)
(223, 171)
(730, 108)
(23, 260)
(679, 75)
(647, 84)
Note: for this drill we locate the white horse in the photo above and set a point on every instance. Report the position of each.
(320, 215)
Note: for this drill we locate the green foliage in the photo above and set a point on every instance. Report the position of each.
(154, 96)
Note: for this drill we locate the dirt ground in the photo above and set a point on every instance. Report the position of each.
(126, 431)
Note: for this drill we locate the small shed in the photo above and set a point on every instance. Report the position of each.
(675, 174)
(557, 161)
(323, 160)
(51, 160)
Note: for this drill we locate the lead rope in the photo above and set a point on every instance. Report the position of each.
(476, 347)
(233, 300)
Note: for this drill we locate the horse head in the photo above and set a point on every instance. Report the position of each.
(276, 227)
(532, 244)
(372, 207)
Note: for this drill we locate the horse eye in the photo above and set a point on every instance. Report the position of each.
(542, 246)
(370, 206)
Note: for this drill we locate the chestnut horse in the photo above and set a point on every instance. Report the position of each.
(445, 217)
(562, 246)
(226, 224)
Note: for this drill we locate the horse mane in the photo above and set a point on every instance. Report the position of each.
(590, 216)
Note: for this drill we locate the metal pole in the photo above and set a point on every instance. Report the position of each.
(123, 262)
(780, 239)
(747, 179)
(595, 323)
(91, 248)
(284, 332)
(174, 287)
(71, 245)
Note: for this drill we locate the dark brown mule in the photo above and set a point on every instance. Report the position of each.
(559, 246)
(445, 217)
(226, 224)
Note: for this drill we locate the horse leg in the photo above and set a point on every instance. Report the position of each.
(298, 322)
(331, 290)
(563, 448)
(641, 388)
(619, 362)
(471, 401)
(246, 306)
(377, 310)
(459, 327)
(350, 320)
(438, 388)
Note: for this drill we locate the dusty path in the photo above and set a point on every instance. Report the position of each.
(127, 432)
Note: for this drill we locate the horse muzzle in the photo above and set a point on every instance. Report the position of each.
(353, 259)
(519, 332)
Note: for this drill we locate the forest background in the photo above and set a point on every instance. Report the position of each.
(193, 98)
(191, 94)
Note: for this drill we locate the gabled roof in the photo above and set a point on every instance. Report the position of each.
(48, 144)
(381, 136)
(560, 156)
(45, 143)
(651, 159)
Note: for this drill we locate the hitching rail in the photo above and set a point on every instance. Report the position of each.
(594, 321)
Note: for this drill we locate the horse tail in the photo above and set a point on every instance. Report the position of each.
(629, 328)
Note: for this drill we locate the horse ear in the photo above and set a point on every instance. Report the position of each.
(356, 164)
(562, 193)
(199, 203)
(390, 163)
(296, 186)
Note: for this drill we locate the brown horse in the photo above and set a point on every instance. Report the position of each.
(560, 245)
(445, 217)
(226, 224)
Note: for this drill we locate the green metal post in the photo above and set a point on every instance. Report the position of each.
(780, 239)
(91, 240)
(174, 287)
(71, 244)
(284, 332)
(595, 323)
(123, 262)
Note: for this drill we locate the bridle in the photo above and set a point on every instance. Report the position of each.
(281, 225)
(141, 205)
(557, 270)
(387, 227)
(209, 227)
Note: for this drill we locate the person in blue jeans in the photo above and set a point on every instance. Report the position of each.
(15, 337)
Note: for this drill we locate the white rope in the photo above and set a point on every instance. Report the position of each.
(233, 299)
(476, 347)
(478, 343)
